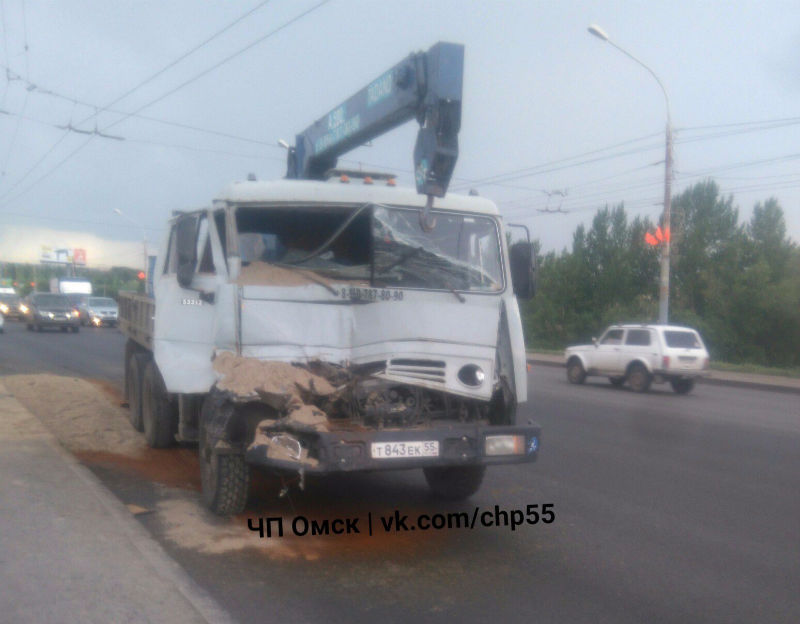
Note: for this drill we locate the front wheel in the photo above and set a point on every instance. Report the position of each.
(455, 482)
(224, 477)
(639, 378)
(575, 372)
(682, 386)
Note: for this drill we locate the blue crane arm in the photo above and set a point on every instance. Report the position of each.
(426, 86)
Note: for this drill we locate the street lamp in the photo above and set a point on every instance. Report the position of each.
(144, 234)
(663, 286)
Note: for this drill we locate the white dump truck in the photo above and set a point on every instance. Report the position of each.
(330, 323)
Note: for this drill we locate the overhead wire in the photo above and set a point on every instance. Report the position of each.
(17, 126)
(170, 92)
(38, 88)
(177, 60)
(222, 62)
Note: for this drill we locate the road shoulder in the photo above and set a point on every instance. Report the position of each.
(72, 552)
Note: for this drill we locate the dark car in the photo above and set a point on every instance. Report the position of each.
(50, 310)
(9, 305)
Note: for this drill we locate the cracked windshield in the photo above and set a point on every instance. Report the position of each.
(461, 253)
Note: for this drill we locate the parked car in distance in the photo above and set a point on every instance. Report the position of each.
(9, 305)
(50, 310)
(99, 311)
(641, 355)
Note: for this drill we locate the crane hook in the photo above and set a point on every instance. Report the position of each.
(426, 221)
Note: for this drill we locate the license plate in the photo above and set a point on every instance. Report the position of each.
(392, 450)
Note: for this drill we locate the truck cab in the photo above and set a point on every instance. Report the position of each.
(331, 322)
(418, 333)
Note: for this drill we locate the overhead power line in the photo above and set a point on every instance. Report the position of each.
(170, 92)
(174, 62)
(219, 64)
(38, 88)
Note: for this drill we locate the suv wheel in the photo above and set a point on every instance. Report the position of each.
(639, 378)
(682, 386)
(575, 372)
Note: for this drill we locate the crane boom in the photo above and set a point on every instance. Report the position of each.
(426, 86)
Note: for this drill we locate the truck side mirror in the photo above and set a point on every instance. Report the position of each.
(186, 247)
(523, 269)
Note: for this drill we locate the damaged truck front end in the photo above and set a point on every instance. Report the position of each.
(324, 418)
(341, 336)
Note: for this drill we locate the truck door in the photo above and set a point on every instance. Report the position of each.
(185, 316)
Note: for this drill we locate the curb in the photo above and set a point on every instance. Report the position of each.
(150, 550)
(777, 386)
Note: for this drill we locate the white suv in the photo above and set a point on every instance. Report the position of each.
(641, 354)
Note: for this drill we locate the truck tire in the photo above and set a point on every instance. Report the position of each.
(639, 378)
(136, 364)
(575, 372)
(682, 386)
(454, 482)
(159, 415)
(224, 477)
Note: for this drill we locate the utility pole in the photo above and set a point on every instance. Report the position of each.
(663, 282)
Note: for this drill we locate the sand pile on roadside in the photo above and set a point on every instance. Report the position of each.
(77, 413)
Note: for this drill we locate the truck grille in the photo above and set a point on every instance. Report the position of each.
(424, 370)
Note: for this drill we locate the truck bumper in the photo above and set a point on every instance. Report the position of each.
(349, 451)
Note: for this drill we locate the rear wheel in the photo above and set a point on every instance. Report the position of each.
(639, 378)
(682, 386)
(224, 477)
(133, 391)
(575, 371)
(455, 482)
(159, 416)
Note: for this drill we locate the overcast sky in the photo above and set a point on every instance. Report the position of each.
(542, 97)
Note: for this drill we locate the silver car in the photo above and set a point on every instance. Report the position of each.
(100, 311)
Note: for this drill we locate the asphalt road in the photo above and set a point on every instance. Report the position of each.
(667, 509)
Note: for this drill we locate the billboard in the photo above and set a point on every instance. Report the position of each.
(62, 255)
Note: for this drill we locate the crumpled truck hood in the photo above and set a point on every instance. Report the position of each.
(409, 333)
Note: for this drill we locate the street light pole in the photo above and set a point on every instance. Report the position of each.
(663, 285)
(144, 235)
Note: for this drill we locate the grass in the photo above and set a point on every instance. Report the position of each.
(756, 369)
